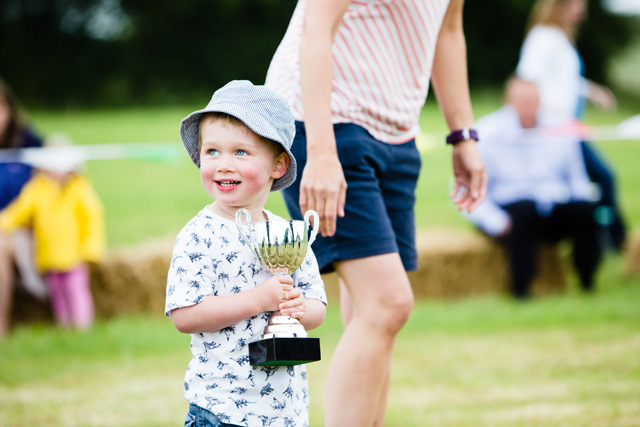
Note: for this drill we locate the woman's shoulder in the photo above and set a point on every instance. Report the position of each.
(545, 33)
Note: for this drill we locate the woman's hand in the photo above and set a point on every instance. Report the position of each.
(470, 176)
(323, 188)
(602, 97)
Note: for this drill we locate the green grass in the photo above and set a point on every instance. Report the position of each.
(562, 361)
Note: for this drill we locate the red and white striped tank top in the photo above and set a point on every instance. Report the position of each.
(382, 53)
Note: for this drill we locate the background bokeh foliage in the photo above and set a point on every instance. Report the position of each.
(90, 53)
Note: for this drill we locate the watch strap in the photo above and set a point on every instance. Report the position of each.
(462, 135)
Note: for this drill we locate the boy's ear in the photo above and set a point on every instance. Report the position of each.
(280, 165)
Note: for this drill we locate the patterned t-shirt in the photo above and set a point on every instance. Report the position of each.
(210, 258)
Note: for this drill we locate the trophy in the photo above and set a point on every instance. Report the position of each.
(280, 246)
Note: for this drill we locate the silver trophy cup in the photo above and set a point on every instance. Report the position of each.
(280, 247)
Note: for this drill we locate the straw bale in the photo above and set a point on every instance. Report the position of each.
(451, 265)
(632, 260)
(132, 280)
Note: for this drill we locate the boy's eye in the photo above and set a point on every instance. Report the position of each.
(241, 153)
(211, 152)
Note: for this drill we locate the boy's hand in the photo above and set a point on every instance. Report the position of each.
(295, 305)
(272, 292)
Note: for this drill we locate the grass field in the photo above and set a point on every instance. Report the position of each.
(569, 360)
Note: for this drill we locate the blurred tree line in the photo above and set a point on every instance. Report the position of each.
(85, 53)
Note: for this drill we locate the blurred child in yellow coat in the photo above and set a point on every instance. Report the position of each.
(67, 218)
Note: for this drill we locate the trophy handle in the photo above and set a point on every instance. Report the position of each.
(246, 228)
(316, 224)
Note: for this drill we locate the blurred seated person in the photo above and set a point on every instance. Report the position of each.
(549, 57)
(17, 248)
(538, 189)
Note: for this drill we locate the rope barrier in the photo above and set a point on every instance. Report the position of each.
(628, 129)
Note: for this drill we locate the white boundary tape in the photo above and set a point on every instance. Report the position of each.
(629, 129)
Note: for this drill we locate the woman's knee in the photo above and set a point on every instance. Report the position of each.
(392, 311)
(400, 311)
(380, 291)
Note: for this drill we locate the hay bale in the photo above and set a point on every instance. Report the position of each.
(459, 265)
(451, 265)
(132, 280)
(632, 260)
(454, 265)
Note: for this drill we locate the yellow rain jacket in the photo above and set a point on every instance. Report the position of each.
(67, 221)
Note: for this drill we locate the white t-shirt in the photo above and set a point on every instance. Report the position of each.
(544, 167)
(549, 59)
(210, 258)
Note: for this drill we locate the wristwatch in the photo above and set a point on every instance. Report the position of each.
(462, 135)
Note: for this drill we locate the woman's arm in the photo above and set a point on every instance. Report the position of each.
(322, 186)
(449, 77)
(601, 96)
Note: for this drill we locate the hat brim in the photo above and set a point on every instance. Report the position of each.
(190, 129)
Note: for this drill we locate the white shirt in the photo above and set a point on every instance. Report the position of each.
(549, 59)
(382, 57)
(523, 164)
(210, 258)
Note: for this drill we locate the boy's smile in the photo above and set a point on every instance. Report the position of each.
(237, 167)
(227, 185)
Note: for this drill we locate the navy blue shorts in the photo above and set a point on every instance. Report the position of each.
(381, 182)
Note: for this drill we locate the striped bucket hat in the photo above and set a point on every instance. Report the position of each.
(262, 110)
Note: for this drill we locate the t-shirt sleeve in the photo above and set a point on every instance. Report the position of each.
(191, 274)
(307, 278)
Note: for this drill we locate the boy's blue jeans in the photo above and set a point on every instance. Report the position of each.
(200, 417)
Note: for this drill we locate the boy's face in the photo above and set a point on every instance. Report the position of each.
(237, 167)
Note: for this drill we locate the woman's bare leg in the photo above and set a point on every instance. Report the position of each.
(358, 377)
(346, 311)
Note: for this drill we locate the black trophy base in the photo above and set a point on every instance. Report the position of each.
(284, 351)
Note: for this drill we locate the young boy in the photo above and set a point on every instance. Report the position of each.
(216, 290)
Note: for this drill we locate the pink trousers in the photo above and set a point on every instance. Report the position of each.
(71, 297)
